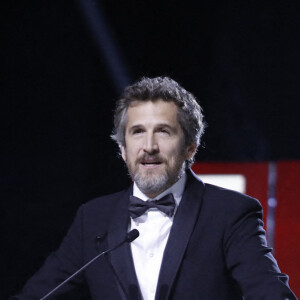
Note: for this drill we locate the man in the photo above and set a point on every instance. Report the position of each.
(197, 241)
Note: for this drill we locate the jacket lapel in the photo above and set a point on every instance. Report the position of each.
(121, 258)
(181, 231)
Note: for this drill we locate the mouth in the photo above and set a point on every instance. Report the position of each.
(150, 163)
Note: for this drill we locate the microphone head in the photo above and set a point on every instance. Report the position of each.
(132, 235)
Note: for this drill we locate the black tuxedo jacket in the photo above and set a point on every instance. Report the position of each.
(216, 250)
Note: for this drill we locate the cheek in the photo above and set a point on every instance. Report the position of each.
(177, 154)
(135, 148)
(132, 153)
(171, 152)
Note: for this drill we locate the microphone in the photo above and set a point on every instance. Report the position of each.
(130, 236)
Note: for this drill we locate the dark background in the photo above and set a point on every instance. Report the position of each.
(59, 85)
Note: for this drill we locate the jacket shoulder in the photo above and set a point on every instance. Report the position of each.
(101, 209)
(227, 197)
(103, 201)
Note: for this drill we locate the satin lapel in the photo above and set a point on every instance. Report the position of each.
(181, 231)
(121, 258)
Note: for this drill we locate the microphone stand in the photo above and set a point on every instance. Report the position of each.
(132, 235)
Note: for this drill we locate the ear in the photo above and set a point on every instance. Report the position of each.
(191, 150)
(123, 152)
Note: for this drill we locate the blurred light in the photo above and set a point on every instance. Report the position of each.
(236, 182)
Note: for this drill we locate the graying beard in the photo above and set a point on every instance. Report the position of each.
(152, 186)
(159, 184)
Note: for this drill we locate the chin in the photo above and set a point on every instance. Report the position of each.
(151, 184)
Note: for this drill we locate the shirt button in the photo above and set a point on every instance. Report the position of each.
(151, 255)
(152, 291)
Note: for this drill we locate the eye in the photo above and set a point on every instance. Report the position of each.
(137, 131)
(164, 131)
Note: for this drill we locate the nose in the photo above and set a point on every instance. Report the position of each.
(150, 144)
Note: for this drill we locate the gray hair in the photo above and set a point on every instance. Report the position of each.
(190, 115)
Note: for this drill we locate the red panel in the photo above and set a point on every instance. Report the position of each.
(287, 237)
(256, 177)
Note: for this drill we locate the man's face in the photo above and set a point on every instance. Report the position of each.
(154, 149)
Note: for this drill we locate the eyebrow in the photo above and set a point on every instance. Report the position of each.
(135, 127)
(166, 125)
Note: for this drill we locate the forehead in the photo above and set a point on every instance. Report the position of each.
(158, 111)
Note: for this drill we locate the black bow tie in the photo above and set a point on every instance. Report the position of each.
(138, 207)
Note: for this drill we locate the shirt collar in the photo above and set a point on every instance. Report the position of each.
(176, 189)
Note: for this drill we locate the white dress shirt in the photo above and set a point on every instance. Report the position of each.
(154, 228)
